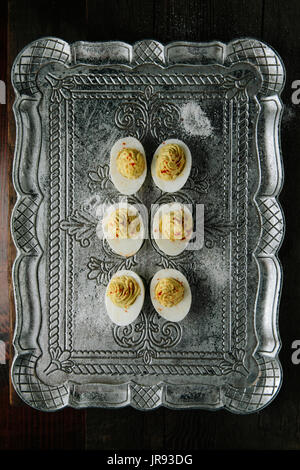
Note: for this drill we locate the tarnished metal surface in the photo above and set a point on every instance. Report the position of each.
(72, 103)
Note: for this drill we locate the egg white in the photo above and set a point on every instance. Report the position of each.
(126, 246)
(169, 247)
(177, 312)
(122, 184)
(173, 185)
(121, 316)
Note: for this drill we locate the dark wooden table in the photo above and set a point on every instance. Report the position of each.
(273, 21)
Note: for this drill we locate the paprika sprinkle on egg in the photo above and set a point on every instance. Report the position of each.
(171, 161)
(123, 291)
(130, 163)
(169, 292)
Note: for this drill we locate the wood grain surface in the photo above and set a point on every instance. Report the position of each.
(273, 21)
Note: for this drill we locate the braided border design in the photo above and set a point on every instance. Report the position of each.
(54, 221)
(150, 369)
(70, 239)
(240, 256)
(148, 79)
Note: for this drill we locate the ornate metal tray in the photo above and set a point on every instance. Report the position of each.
(72, 103)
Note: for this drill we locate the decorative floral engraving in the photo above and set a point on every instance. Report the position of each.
(147, 335)
(149, 113)
(60, 360)
(237, 84)
(198, 181)
(215, 228)
(100, 177)
(101, 270)
(60, 87)
(81, 226)
(234, 362)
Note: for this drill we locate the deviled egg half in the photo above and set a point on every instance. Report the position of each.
(171, 294)
(123, 228)
(124, 297)
(128, 165)
(172, 228)
(171, 165)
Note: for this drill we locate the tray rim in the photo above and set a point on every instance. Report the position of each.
(270, 94)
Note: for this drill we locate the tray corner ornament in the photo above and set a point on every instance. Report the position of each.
(72, 102)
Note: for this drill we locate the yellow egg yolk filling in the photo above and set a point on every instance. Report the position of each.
(176, 225)
(123, 291)
(169, 292)
(121, 224)
(130, 163)
(170, 162)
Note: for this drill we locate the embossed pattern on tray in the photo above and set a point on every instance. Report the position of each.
(72, 103)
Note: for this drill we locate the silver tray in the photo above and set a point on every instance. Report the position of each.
(72, 103)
